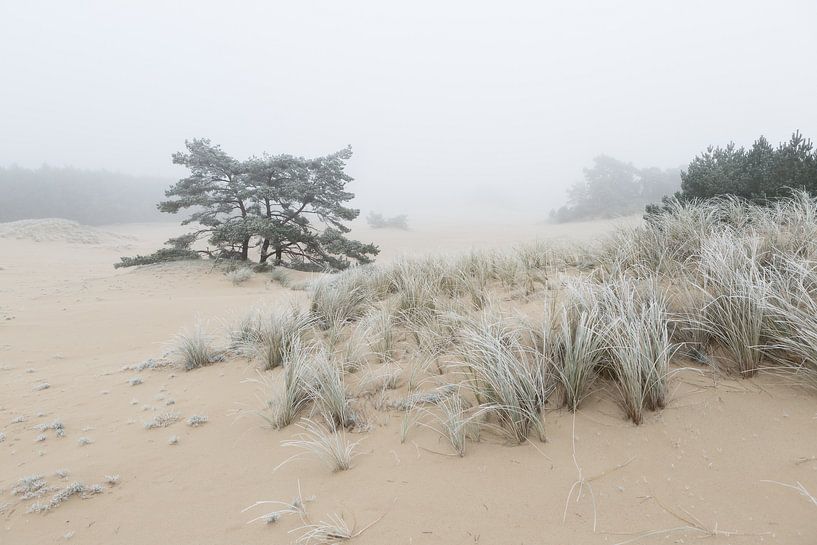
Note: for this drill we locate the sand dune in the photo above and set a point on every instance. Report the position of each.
(60, 230)
(699, 468)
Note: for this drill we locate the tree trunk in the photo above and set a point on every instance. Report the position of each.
(245, 249)
(264, 248)
(278, 254)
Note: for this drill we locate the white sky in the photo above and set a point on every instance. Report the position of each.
(489, 102)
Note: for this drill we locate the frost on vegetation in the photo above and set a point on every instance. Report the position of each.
(150, 363)
(239, 276)
(41, 437)
(162, 420)
(18, 419)
(432, 397)
(41, 386)
(112, 479)
(174, 440)
(196, 420)
(2, 436)
(82, 441)
(30, 487)
(73, 489)
(62, 473)
(135, 381)
(56, 425)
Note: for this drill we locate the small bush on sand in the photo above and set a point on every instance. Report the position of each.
(240, 275)
(281, 276)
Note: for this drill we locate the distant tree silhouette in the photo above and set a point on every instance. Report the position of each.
(612, 188)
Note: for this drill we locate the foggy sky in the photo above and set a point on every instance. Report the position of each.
(495, 102)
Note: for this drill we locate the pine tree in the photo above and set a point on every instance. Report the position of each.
(291, 208)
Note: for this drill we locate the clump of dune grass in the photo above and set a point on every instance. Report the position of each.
(281, 276)
(576, 342)
(792, 311)
(687, 319)
(295, 507)
(298, 377)
(380, 329)
(454, 422)
(272, 333)
(112, 480)
(416, 290)
(82, 441)
(240, 275)
(242, 329)
(506, 378)
(639, 345)
(736, 314)
(73, 489)
(332, 530)
(135, 381)
(194, 348)
(329, 444)
(326, 388)
(162, 420)
(336, 301)
(354, 354)
(41, 386)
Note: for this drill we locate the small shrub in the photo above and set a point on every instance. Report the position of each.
(196, 420)
(239, 276)
(162, 420)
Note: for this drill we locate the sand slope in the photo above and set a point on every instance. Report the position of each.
(700, 462)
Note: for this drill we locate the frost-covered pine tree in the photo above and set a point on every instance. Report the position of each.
(293, 210)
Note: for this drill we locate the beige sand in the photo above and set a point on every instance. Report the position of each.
(71, 321)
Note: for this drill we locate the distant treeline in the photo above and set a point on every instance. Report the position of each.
(92, 197)
(761, 174)
(613, 188)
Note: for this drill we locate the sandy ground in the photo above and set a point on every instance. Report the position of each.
(69, 320)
